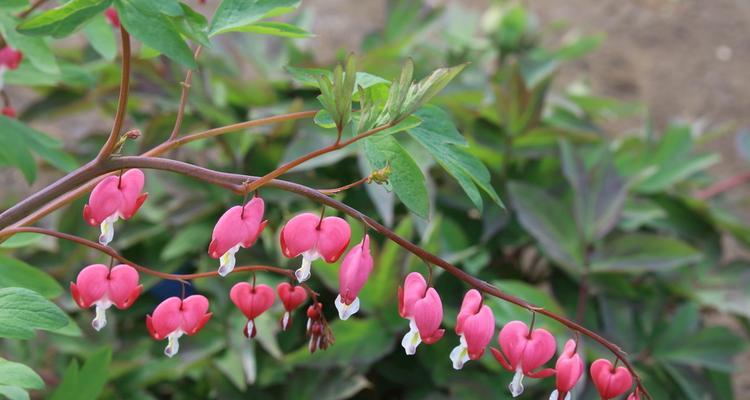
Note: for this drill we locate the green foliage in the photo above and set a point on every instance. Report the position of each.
(86, 382)
(243, 15)
(63, 20)
(16, 273)
(22, 311)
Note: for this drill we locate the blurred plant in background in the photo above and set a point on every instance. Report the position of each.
(606, 231)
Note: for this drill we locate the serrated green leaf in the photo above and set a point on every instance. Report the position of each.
(146, 22)
(406, 178)
(643, 252)
(22, 311)
(16, 273)
(234, 14)
(17, 374)
(63, 20)
(308, 77)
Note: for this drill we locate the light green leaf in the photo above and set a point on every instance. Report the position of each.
(45, 146)
(234, 14)
(549, 222)
(147, 23)
(437, 134)
(406, 178)
(22, 239)
(87, 382)
(14, 392)
(276, 29)
(14, 151)
(16, 374)
(63, 20)
(309, 77)
(186, 240)
(16, 273)
(193, 25)
(34, 48)
(101, 36)
(643, 252)
(22, 311)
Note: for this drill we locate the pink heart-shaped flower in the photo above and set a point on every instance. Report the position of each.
(252, 300)
(291, 296)
(610, 382)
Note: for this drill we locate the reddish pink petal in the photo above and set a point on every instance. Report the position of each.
(540, 349)
(194, 310)
(10, 58)
(252, 218)
(354, 271)
(252, 301)
(123, 280)
(478, 330)
(428, 315)
(414, 289)
(131, 185)
(77, 296)
(112, 17)
(333, 238)
(470, 306)
(512, 339)
(228, 232)
(92, 284)
(300, 234)
(104, 201)
(569, 368)
(610, 382)
(500, 357)
(291, 296)
(166, 318)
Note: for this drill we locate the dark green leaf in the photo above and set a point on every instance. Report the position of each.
(713, 348)
(63, 20)
(88, 382)
(186, 240)
(22, 311)
(16, 273)
(234, 14)
(643, 252)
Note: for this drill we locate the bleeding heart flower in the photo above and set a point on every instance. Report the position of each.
(9, 60)
(9, 111)
(175, 317)
(112, 17)
(422, 306)
(292, 297)
(634, 396)
(238, 227)
(252, 300)
(99, 286)
(523, 351)
(568, 368)
(313, 237)
(610, 382)
(475, 325)
(354, 271)
(113, 198)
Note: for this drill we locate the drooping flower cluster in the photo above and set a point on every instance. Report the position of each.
(523, 350)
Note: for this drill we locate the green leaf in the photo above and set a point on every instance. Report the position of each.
(14, 151)
(193, 25)
(234, 14)
(101, 36)
(276, 29)
(146, 22)
(643, 252)
(504, 311)
(599, 191)
(438, 135)
(549, 222)
(16, 273)
(309, 77)
(87, 382)
(318, 384)
(63, 20)
(22, 239)
(22, 311)
(45, 146)
(16, 374)
(34, 48)
(13, 4)
(713, 348)
(185, 241)
(423, 91)
(14, 392)
(406, 178)
(350, 349)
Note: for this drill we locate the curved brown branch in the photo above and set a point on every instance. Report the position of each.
(184, 96)
(329, 192)
(239, 181)
(723, 186)
(122, 102)
(163, 275)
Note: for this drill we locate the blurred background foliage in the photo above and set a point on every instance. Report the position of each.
(604, 230)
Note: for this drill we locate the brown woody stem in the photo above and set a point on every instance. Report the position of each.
(122, 101)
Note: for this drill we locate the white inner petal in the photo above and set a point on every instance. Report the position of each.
(346, 311)
(3, 68)
(285, 320)
(303, 272)
(107, 228)
(227, 261)
(516, 385)
(412, 339)
(173, 345)
(460, 354)
(250, 327)
(100, 321)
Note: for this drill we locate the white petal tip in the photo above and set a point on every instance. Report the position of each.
(346, 311)
(459, 356)
(516, 385)
(411, 340)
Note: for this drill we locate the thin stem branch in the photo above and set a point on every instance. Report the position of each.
(122, 103)
(163, 275)
(184, 96)
(34, 6)
(723, 186)
(329, 192)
